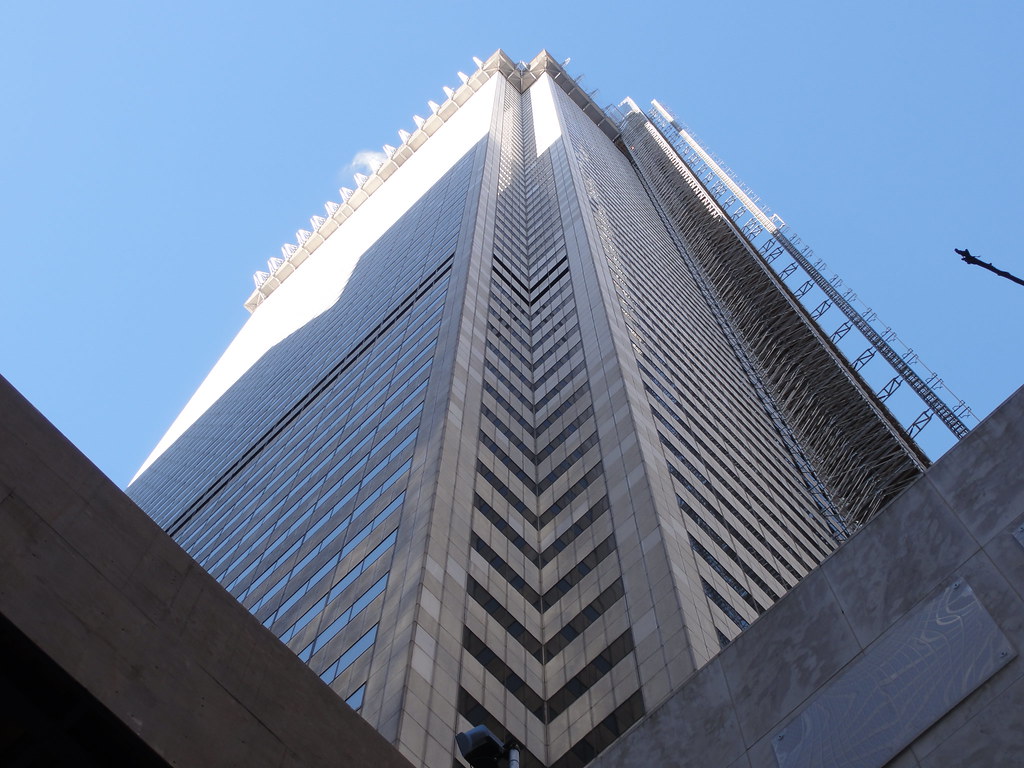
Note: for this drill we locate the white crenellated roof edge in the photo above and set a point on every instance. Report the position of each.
(519, 74)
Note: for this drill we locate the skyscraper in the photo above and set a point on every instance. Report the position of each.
(526, 428)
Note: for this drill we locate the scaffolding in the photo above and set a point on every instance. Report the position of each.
(772, 238)
(853, 453)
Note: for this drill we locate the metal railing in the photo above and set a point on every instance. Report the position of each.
(772, 237)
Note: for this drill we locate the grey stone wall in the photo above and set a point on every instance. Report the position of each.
(98, 587)
(961, 524)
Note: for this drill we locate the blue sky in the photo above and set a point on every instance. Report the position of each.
(154, 155)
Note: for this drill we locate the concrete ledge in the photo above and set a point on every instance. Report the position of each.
(99, 588)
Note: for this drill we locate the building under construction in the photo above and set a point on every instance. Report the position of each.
(533, 422)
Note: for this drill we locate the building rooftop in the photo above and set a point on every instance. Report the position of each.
(520, 73)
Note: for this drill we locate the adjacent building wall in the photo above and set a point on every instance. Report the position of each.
(97, 587)
(954, 539)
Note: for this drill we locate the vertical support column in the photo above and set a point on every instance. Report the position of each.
(663, 616)
(423, 616)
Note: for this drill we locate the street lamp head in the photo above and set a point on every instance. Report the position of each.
(480, 747)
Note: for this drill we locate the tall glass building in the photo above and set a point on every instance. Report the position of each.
(527, 428)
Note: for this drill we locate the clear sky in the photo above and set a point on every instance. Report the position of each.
(153, 155)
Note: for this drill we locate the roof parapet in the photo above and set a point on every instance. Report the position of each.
(521, 75)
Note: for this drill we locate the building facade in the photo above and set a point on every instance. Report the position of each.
(523, 432)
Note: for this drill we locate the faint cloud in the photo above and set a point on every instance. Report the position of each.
(365, 161)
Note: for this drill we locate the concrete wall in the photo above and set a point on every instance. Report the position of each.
(956, 525)
(99, 588)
